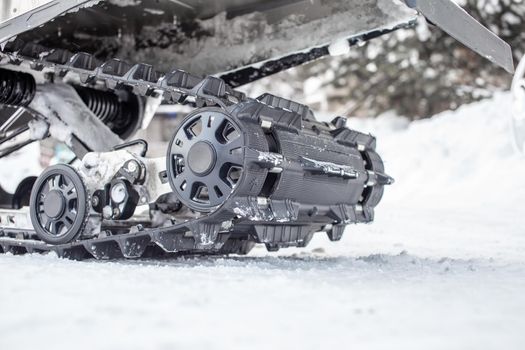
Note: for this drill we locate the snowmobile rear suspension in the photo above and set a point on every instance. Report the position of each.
(238, 171)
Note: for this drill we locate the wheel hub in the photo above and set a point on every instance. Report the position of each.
(205, 159)
(54, 204)
(202, 158)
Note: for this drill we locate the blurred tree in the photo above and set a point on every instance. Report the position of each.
(416, 73)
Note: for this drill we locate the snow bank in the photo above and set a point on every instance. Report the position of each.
(458, 159)
(459, 186)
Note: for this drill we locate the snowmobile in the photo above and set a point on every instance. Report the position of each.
(238, 171)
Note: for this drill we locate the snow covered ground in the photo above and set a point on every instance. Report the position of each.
(443, 267)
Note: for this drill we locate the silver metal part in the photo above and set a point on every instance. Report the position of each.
(276, 170)
(11, 120)
(15, 140)
(455, 21)
(132, 166)
(151, 106)
(118, 193)
(16, 218)
(14, 8)
(107, 212)
(69, 118)
(18, 16)
(371, 179)
(263, 202)
(330, 168)
(99, 168)
(266, 124)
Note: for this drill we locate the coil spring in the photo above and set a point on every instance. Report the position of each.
(109, 108)
(16, 88)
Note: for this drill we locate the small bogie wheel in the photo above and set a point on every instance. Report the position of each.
(58, 205)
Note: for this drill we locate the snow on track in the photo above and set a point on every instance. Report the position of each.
(442, 267)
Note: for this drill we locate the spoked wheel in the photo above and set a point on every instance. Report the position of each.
(518, 115)
(58, 205)
(206, 159)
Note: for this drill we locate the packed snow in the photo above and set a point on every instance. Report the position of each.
(443, 266)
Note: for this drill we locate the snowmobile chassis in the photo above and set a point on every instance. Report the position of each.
(238, 171)
(215, 232)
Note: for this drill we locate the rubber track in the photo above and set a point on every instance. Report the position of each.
(134, 244)
(175, 86)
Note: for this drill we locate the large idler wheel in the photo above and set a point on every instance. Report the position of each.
(205, 159)
(58, 205)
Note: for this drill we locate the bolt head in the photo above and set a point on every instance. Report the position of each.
(116, 212)
(107, 212)
(118, 193)
(132, 167)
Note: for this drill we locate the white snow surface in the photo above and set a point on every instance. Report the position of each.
(443, 267)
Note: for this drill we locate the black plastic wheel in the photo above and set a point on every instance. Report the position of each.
(58, 205)
(205, 159)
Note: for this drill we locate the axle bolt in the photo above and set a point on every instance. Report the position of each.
(132, 166)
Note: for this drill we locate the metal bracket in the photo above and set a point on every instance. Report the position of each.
(456, 22)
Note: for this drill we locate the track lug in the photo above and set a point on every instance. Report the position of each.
(205, 234)
(336, 232)
(306, 240)
(14, 249)
(133, 247)
(172, 242)
(73, 253)
(104, 250)
(272, 247)
(58, 56)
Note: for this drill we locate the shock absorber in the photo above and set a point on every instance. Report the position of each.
(16, 88)
(118, 112)
(104, 105)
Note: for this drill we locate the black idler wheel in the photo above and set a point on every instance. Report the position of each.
(58, 205)
(205, 159)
